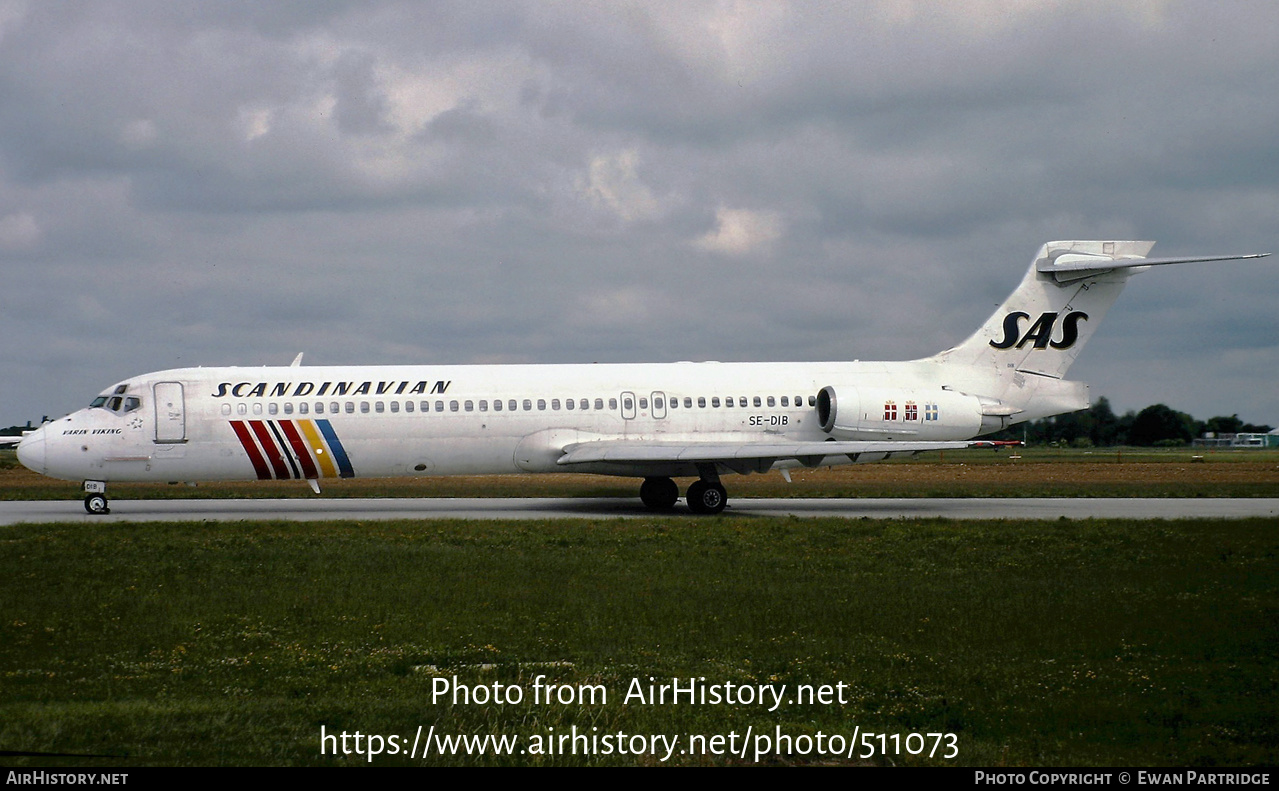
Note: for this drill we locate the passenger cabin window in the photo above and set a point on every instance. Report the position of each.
(612, 403)
(555, 404)
(364, 406)
(599, 403)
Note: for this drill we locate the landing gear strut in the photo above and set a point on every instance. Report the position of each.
(659, 494)
(96, 500)
(708, 495)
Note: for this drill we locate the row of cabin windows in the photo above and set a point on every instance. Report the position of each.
(715, 403)
(511, 405)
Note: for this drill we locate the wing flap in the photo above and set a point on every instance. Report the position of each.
(735, 455)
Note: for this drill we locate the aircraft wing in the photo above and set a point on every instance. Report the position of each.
(9, 441)
(744, 457)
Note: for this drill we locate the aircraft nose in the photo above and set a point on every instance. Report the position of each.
(31, 451)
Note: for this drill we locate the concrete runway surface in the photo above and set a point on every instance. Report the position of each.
(123, 510)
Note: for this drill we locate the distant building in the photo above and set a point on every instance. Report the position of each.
(1224, 440)
(1270, 440)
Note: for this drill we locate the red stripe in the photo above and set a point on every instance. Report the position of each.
(246, 439)
(271, 450)
(300, 450)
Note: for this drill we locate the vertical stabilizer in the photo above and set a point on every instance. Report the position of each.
(1042, 326)
(1021, 354)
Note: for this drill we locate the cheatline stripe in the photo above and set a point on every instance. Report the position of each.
(284, 445)
(300, 450)
(279, 447)
(270, 449)
(335, 445)
(317, 445)
(251, 448)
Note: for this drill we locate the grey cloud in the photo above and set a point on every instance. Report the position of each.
(188, 183)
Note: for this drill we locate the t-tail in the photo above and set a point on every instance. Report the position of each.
(1018, 359)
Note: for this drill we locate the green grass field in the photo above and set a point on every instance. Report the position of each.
(1057, 643)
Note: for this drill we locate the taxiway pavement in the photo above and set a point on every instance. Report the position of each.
(317, 509)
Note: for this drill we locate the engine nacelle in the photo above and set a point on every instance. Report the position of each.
(870, 413)
(828, 409)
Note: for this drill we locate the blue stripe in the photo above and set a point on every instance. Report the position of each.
(335, 447)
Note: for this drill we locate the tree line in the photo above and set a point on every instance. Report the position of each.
(1157, 425)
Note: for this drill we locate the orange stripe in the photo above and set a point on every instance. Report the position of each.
(317, 447)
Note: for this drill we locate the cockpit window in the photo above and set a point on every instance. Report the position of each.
(117, 402)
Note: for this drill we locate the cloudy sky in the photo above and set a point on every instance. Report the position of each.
(231, 183)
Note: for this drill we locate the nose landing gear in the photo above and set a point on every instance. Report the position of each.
(96, 500)
(96, 504)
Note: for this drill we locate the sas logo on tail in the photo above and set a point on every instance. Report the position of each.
(1040, 333)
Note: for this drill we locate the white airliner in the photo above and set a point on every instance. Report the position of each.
(651, 421)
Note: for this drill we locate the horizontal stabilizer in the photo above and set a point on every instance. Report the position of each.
(1075, 265)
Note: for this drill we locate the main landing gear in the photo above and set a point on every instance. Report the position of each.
(659, 494)
(706, 496)
(95, 502)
